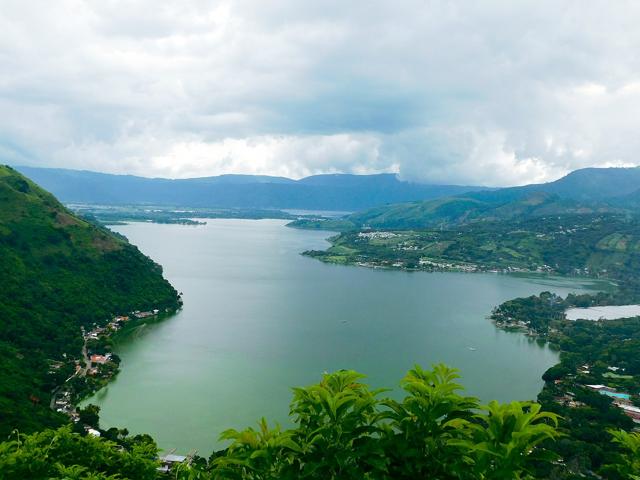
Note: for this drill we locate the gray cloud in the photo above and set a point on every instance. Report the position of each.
(487, 92)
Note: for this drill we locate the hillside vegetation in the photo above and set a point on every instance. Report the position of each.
(58, 273)
(342, 430)
(61, 272)
(603, 245)
(588, 191)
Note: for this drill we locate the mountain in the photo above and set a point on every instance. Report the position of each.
(589, 184)
(319, 192)
(629, 201)
(587, 191)
(58, 273)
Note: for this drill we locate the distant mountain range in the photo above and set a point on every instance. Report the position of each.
(586, 191)
(319, 192)
(591, 184)
(380, 201)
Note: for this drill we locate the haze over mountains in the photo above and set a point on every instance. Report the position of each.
(319, 192)
(380, 201)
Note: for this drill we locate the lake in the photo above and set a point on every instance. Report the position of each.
(610, 312)
(259, 318)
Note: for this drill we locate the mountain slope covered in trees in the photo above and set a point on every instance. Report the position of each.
(58, 273)
(587, 191)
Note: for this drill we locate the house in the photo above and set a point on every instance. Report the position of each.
(631, 411)
(611, 392)
(100, 359)
(601, 388)
(169, 460)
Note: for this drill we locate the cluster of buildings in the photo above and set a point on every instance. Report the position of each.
(459, 267)
(150, 313)
(62, 398)
(62, 403)
(377, 235)
(620, 399)
(114, 325)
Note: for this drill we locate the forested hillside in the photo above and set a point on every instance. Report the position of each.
(58, 273)
(587, 191)
(604, 245)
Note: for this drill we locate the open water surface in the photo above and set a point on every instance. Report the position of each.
(259, 318)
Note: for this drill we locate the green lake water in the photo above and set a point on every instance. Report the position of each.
(259, 318)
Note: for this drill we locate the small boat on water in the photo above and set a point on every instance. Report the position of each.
(473, 349)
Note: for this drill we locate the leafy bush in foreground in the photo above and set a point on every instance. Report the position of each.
(64, 455)
(345, 431)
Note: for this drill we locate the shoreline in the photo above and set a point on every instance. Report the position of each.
(67, 397)
(541, 275)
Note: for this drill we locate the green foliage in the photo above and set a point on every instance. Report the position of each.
(62, 454)
(58, 273)
(629, 463)
(426, 428)
(568, 244)
(503, 441)
(586, 191)
(343, 430)
(588, 348)
(536, 311)
(587, 415)
(256, 454)
(90, 416)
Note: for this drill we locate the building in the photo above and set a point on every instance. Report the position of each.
(630, 411)
(169, 460)
(100, 359)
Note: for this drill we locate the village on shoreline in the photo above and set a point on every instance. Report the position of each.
(95, 367)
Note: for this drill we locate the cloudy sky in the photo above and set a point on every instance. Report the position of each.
(495, 93)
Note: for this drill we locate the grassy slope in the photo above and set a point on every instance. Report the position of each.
(58, 272)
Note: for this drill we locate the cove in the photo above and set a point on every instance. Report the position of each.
(259, 318)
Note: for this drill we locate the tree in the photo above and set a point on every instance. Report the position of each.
(90, 415)
(504, 441)
(62, 454)
(628, 465)
(343, 430)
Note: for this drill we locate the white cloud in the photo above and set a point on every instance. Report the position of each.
(494, 93)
